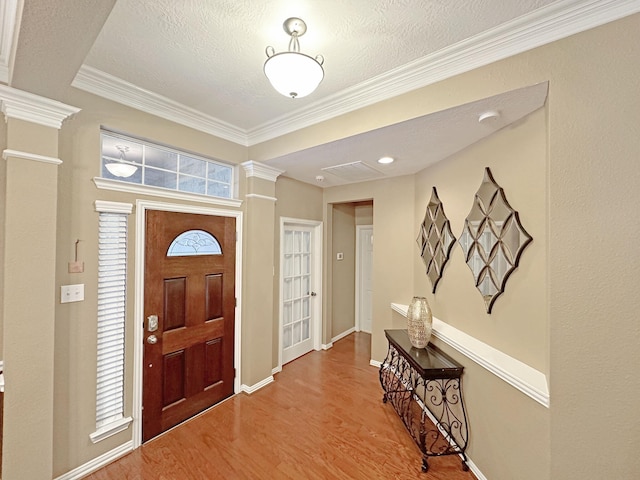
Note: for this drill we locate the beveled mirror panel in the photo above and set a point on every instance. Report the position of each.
(435, 239)
(492, 240)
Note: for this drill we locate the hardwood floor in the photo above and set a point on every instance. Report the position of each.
(323, 418)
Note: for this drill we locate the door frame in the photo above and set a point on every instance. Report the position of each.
(316, 225)
(138, 335)
(359, 229)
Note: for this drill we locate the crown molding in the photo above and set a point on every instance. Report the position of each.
(260, 170)
(113, 88)
(545, 25)
(8, 26)
(34, 108)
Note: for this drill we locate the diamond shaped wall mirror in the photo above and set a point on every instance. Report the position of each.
(493, 240)
(435, 239)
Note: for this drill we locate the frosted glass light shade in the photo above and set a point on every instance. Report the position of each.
(293, 74)
(118, 169)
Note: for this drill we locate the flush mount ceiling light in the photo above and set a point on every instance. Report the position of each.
(386, 160)
(293, 74)
(489, 116)
(120, 168)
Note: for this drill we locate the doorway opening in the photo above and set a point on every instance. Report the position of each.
(350, 272)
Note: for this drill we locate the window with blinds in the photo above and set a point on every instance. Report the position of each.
(112, 277)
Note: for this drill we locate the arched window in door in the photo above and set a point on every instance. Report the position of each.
(194, 242)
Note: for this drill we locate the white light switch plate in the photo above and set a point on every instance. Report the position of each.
(72, 293)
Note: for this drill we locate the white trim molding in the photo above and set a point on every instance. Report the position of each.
(519, 375)
(30, 156)
(340, 336)
(553, 22)
(375, 363)
(113, 207)
(97, 463)
(34, 108)
(118, 186)
(249, 389)
(262, 197)
(9, 26)
(113, 88)
(326, 346)
(111, 429)
(260, 170)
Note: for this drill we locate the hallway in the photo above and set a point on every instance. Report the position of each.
(323, 418)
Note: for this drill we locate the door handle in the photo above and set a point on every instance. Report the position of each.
(152, 339)
(313, 294)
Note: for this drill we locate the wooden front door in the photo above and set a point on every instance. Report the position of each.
(190, 287)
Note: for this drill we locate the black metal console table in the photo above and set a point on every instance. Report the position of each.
(422, 383)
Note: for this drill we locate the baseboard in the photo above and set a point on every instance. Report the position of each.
(97, 463)
(327, 346)
(475, 470)
(277, 369)
(375, 363)
(257, 386)
(343, 334)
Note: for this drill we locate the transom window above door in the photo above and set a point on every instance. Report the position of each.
(140, 162)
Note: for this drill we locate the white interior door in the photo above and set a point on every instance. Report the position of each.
(364, 278)
(299, 299)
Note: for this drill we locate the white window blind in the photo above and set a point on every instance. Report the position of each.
(112, 281)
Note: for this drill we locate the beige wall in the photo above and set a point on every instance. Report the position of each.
(518, 326)
(594, 180)
(364, 213)
(517, 157)
(3, 189)
(294, 200)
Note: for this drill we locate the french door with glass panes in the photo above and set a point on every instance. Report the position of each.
(297, 292)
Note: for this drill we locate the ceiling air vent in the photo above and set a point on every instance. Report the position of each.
(354, 172)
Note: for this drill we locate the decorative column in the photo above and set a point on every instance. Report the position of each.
(258, 276)
(29, 290)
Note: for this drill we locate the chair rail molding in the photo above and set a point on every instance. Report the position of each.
(528, 380)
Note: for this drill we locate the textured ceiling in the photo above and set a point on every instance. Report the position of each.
(199, 63)
(208, 55)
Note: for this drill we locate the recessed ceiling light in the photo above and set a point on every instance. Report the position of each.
(386, 160)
